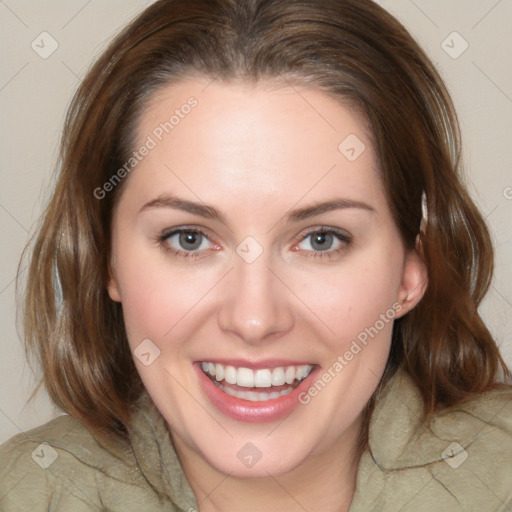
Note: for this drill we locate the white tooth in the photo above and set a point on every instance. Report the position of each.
(303, 371)
(253, 396)
(245, 377)
(290, 374)
(219, 372)
(230, 392)
(230, 374)
(263, 378)
(278, 377)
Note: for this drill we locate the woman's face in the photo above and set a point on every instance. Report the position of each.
(288, 264)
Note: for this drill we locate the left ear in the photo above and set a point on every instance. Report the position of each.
(414, 280)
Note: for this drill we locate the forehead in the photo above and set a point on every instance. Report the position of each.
(237, 140)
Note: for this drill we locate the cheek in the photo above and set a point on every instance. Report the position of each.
(155, 297)
(140, 295)
(353, 296)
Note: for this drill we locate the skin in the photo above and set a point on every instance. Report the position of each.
(254, 153)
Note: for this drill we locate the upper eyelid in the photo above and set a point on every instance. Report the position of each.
(179, 229)
(326, 229)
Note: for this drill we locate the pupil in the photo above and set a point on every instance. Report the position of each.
(323, 240)
(190, 240)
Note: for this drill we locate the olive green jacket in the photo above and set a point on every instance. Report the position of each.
(461, 462)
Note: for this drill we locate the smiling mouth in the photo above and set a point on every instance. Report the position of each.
(256, 385)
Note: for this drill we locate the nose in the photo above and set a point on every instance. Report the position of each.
(256, 306)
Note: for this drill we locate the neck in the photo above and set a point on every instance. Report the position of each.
(325, 481)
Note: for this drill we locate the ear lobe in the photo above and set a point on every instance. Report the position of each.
(112, 286)
(414, 281)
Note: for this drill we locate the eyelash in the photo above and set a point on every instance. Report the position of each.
(342, 236)
(162, 239)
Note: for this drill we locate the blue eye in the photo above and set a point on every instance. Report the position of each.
(185, 242)
(325, 242)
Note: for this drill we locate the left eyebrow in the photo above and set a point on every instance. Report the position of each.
(318, 209)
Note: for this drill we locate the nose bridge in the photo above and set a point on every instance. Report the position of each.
(255, 305)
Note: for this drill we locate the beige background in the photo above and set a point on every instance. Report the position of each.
(35, 92)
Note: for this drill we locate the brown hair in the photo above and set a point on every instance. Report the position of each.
(351, 49)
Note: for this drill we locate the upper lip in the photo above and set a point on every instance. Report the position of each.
(257, 365)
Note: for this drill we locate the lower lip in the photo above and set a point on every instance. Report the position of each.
(253, 412)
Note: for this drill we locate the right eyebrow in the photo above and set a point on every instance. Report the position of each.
(177, 203)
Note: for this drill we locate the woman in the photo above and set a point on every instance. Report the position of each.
(256, 284)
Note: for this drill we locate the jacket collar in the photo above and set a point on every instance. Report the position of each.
(400, 437)
(156, 455)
